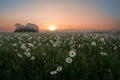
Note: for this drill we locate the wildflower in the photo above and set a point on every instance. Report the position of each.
(28, 54)
(19, 55)
(27, 50)
(115, 47)
(43, 54)
(39, 44)
(73, 49)
(72, 53)
(59, 68)
(55, 44)
(68, 60)
(103, 53)
(109, 70)
(93, 43)
(15, 44)
(16, 50)
(30, 44)
(119, 45)
(102, 39)
(34, 42)
(101, 48)
(23, 46)
(33, 58)
(29, 39)
(20, 42)
(53, 72)
(79, 45)
(51, 41)
(0, 44)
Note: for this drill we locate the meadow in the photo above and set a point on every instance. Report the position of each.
(59, 56)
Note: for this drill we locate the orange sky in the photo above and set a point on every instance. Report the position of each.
(61, 15)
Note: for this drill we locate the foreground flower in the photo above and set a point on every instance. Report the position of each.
(39, 44)
(68, 60)
(33, 58)
(0, 44)
(79, 45)
(27, 50)
(30, 44)
(53, 72)
(59, 68)
(55, 44)
(115, 47)
(43, 54)
(102, 39)
(103, 53)
(16, 50)
(93, 43)
(101, 48)
(28, 54)
(109, 70)
(72, 53)
(15, 44)
(23, 46)
(19, 55)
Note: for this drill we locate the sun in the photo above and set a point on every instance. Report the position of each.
(52, 28)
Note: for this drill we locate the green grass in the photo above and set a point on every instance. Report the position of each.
(88, 64)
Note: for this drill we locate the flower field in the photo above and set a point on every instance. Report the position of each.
(59, 56)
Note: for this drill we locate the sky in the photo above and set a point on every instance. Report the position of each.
(64, 14)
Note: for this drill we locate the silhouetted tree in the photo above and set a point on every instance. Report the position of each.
(28, 28)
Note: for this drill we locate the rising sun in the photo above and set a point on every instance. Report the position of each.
(52, 28)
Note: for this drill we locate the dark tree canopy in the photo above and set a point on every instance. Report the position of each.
(28, 28)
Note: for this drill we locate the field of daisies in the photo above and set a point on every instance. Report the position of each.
(59, 56)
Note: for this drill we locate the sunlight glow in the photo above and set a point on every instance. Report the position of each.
(52, 28)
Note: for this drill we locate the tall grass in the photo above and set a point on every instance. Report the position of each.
(51, 50)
